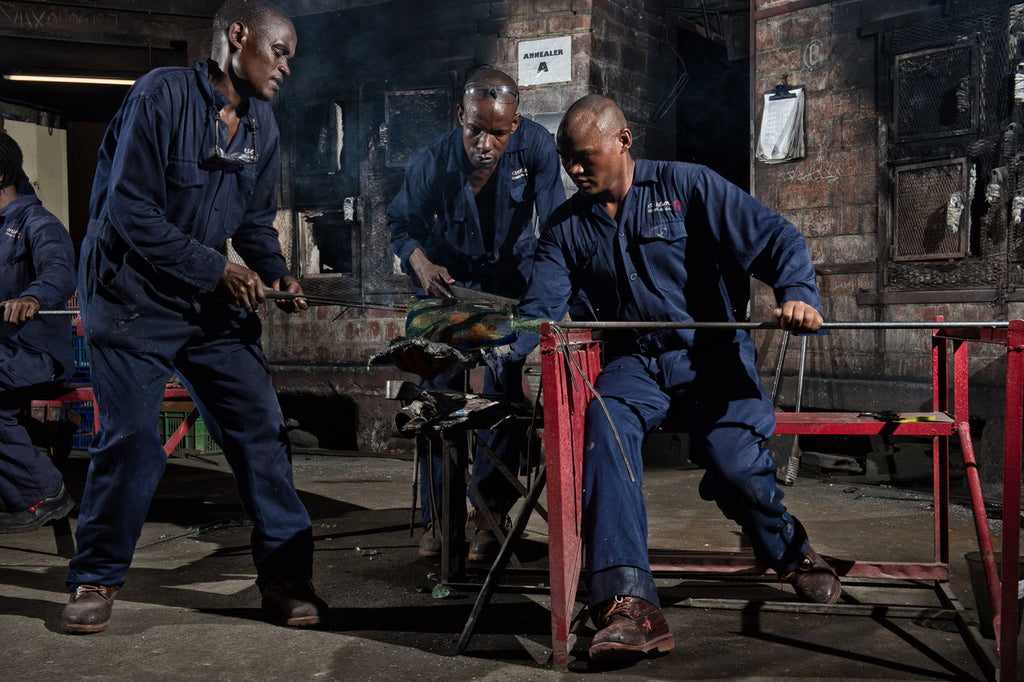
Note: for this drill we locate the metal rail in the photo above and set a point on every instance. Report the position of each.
(775, 325)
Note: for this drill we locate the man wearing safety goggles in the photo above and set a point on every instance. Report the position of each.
(190, 161)
(465, 216)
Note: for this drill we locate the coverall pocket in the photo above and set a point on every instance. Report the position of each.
(18, 251)
(663, 249)
(517, 193)
(185, 181)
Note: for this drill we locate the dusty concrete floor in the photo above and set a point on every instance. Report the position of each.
(190, 609)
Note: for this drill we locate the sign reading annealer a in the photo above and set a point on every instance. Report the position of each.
(548, 60)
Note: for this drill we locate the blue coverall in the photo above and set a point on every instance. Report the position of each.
(679, 227)
(436, 211)
(160, 215)
(36, 259)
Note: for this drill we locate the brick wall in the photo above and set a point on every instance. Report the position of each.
(626, 64)
(836, 196)
(831, 195)
(616, 48)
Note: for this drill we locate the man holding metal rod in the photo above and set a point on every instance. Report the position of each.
(648, 241)
(190, 160)
(36, 270)
(465, 217)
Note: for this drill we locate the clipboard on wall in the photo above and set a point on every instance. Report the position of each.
(782, 125)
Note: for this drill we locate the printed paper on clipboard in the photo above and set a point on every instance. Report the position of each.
(782, 126)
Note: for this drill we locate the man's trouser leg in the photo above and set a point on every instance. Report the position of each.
(507, 444)
(431, 459)
(27, 475)
(729, 417)
(126, 463)
(614, 513)
(231, 384)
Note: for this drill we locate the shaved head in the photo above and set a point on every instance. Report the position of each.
(600, 111)
(488, 76)
(251, 13)
(489, 115)
(594, 140)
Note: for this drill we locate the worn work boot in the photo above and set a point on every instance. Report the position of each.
(630, 629)
(814, 580)
(430, 543)
(88, 609)
(484, 544)
(293, 602)
(56, 506)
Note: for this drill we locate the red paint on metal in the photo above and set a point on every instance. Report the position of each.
(565, 402)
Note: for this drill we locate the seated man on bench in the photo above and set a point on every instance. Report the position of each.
(36, 271)
(648, 241)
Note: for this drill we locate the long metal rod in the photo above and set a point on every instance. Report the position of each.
(312, 299)
(274, 295)
(774, 325)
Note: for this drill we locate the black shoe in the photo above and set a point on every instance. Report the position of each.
(54, 507)
(293, 602)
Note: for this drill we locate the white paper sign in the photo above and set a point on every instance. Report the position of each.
(548, 60)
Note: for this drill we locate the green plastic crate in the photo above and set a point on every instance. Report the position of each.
(197, 438)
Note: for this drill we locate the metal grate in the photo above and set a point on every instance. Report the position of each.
(413, 117)
(936, 92)
(334, 286)
(928, 224)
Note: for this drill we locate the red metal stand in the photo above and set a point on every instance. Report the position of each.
(571, 360)
(73, 393)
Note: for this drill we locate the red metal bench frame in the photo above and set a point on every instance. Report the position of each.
(565, 401)
(83, 392)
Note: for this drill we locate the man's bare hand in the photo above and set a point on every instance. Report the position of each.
(434, 279)
(241, 286)
(797, 317)
(18, 310)
(291, 285)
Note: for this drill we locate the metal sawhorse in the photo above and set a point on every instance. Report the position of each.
(571, 360)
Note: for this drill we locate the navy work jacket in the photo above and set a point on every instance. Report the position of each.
(161, 212)
(37, 259)
(436, 210)
(681, 226)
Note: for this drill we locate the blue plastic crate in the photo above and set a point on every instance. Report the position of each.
(83, 434)
(78, 346)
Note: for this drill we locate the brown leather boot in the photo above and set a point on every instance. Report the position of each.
(630, 629)
(814, 580)
(483, 544)
(430, 542)
(88, 609)
(293, 602)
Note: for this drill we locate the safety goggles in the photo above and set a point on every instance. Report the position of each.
(500, 93)
(218, 159)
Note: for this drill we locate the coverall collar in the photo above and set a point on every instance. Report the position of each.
(18, 205)
(458, 161)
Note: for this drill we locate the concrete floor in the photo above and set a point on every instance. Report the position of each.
(190, 609)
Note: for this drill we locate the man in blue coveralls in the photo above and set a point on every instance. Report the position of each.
(189, 161)
(648, 241)
(36, 271)
(465, 215)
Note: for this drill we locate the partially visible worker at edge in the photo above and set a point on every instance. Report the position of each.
(190, 160)
(37, 270)
(465, 215)
(648, 241)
